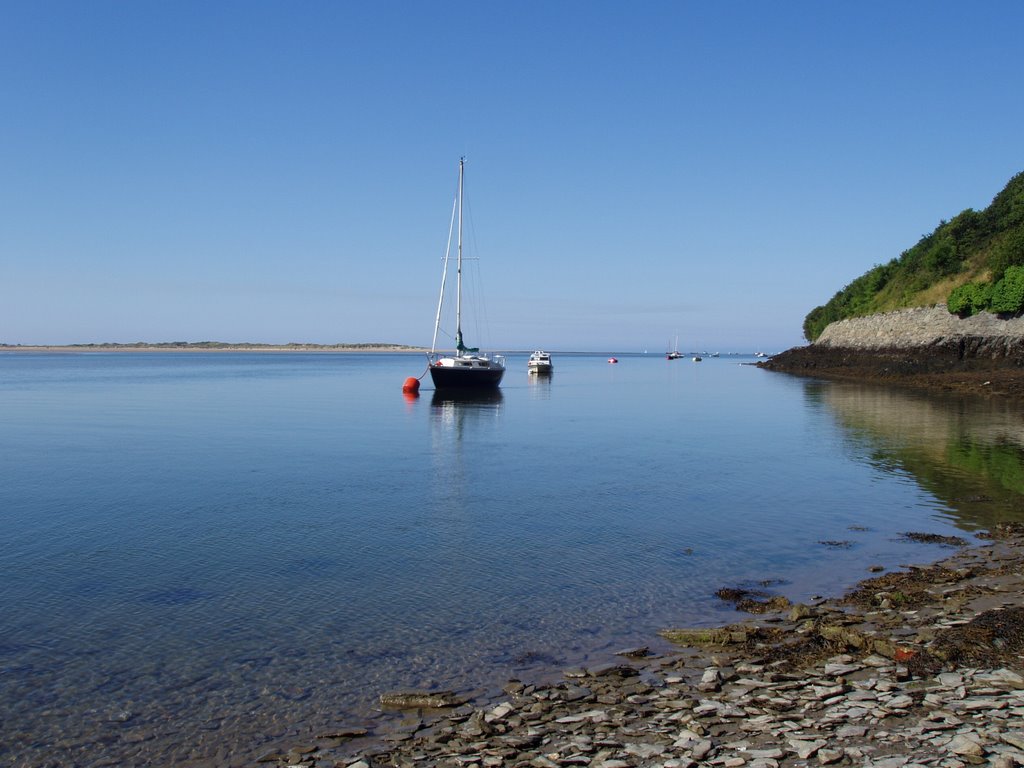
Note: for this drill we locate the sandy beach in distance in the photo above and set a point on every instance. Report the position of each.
(202, 347)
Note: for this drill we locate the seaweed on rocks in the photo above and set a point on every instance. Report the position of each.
(752, 601)
(992, 638)
(935, 538)
(904, 589)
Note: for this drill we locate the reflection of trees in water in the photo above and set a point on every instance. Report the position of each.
(969, 453)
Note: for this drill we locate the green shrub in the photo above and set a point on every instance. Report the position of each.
(1008, 293)
(969, 299)
(1008, 251)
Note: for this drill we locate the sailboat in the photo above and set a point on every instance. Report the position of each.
(468, 368)
(675, 354)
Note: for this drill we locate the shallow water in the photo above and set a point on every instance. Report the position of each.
(205, 555)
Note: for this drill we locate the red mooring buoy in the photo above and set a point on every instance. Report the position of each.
(411, 386)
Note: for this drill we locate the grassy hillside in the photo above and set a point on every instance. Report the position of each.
(967, 256)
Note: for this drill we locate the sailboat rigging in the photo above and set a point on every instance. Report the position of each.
(674, 353)
(468, 368)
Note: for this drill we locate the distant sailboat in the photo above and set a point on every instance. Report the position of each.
(675, 354)
(468, 369)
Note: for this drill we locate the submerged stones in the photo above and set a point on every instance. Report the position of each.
(752, 601)
(421, 700)
(935, 538)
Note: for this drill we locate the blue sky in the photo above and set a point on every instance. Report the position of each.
(284, 171)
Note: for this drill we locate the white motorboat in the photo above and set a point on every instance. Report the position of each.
(540, 363)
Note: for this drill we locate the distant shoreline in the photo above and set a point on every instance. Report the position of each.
(209, 347)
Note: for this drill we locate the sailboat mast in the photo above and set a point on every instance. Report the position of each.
(458, 268)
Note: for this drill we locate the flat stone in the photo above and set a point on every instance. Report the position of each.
(711, 680)
(965, 745)
(421, 700)
(829, 756)
(342, 733)
(899, 702)
(1002, 677)
(613, 670)
(634, 653)
(701, 749)
(1013, 738)
(501, 711)
(975, 704)
(841, 670)
(827, 691)
(766, 754)
(897, 761)
(851, 732)
(644, 751)
(806, 749)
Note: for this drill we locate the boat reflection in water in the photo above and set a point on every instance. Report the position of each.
(539, 386)
(462, 422)
(467, 399)
(455, 408)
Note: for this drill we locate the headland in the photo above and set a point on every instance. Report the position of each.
(924, 348)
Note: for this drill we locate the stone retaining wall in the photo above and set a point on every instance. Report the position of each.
(921, 327)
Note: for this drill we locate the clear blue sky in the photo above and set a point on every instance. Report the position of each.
(284, 171)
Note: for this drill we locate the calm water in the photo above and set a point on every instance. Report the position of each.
(207, 555)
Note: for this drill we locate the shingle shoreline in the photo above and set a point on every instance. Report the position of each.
(916, 668)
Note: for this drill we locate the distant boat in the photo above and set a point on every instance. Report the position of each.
(468, 368)
(697, 358)
(675, 354)
(540, 363)
(613, 359)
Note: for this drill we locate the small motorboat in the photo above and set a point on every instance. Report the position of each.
(613, 359)
(540, 363)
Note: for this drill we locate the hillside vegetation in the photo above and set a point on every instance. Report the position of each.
(971, 263)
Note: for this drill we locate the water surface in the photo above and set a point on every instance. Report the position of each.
(209, 554)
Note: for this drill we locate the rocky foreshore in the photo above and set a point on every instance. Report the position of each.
(915, 668)
(924, 347)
